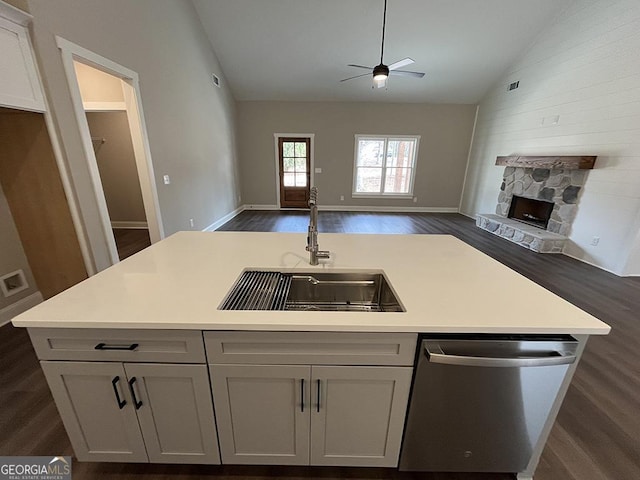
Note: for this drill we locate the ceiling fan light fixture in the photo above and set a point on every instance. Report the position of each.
(380, 75)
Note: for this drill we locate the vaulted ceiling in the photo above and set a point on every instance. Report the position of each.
(298, 50)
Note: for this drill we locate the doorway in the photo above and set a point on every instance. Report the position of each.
(105, 111)
(294, 160)
(106, 98)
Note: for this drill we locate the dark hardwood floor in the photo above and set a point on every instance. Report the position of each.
(596, 435)
(131, 240)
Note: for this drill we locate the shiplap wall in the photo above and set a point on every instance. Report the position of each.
(584, 68)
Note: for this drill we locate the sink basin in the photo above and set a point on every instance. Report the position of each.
(342, 292)
(305, 291)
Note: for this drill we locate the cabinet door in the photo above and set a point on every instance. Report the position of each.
(175, 412)
(19, 84)
(96, 410)
(262, 413)
(358, 415)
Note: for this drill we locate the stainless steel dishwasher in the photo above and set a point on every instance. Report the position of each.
(479, 402)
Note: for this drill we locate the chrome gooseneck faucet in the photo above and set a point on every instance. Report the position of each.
(312, 233)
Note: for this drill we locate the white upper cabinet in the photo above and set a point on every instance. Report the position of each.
(19, 83)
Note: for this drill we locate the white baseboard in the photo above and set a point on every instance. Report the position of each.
(617, 274)
(261, 207)
(218, 223)
(15, 309)
(130, 225)
(360, 208)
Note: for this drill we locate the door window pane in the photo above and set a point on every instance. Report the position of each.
(288, 149)
(289, 164)
(301, 179)
(301, 149)
(301, 165)
(289, 179)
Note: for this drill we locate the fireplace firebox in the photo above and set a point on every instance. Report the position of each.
(531, 211)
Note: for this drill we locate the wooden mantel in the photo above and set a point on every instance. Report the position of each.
(555, 162)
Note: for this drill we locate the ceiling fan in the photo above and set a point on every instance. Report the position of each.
(381, 72)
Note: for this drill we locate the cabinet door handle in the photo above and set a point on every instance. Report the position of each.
(136, 402)
(104, 346)
(318, 395)
(114, 384)
(302, 395)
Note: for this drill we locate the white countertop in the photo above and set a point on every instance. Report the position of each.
(444, 284)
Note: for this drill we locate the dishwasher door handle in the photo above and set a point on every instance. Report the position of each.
(434, 354)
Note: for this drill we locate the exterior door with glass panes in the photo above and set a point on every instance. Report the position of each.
(295, 171)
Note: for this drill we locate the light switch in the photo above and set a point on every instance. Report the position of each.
(317, 170)
(166, 179)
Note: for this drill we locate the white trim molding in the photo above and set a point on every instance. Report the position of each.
(129, 225)
(71, 52)
(218, 223)
(15, 14)
(15, 309)
(260, 207)
(311, 137)
(365, 208)
(360, 208)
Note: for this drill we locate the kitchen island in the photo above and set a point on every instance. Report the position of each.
(165, 301)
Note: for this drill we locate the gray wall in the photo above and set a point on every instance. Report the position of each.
(445, 132)
(117, 165)
(12, 255)
(190, 122)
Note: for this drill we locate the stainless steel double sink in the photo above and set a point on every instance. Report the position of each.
(308, 291)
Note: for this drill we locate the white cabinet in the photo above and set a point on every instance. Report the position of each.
(262, 413)
(359, 413)
(350, 415)
(111, 411)
(96, 410)
(19, 83)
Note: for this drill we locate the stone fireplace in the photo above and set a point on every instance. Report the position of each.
(536, 207)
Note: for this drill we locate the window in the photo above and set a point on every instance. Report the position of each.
(384, 165)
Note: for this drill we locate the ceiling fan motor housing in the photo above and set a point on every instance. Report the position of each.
(381, 70)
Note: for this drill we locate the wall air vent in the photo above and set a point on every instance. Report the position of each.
(13, 282)
(216, 80)
(514, 85)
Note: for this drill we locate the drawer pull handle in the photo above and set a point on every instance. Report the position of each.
(114, 382)
(136, 402)
(104, 346)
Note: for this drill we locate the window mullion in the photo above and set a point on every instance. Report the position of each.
(384, 165)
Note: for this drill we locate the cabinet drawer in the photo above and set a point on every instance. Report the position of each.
(318, 348)
(171, 346)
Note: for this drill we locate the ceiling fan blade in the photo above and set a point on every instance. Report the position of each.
(360, 66)
(405, 73)
(401, 63)
(357, 76)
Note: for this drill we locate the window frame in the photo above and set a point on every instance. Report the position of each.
(386, 139)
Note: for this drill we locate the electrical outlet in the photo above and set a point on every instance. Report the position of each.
(239, 198)
(342, 198)
(595, 241)
(166, 179)
(317, 170)
(192, 223)
(415, 199)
